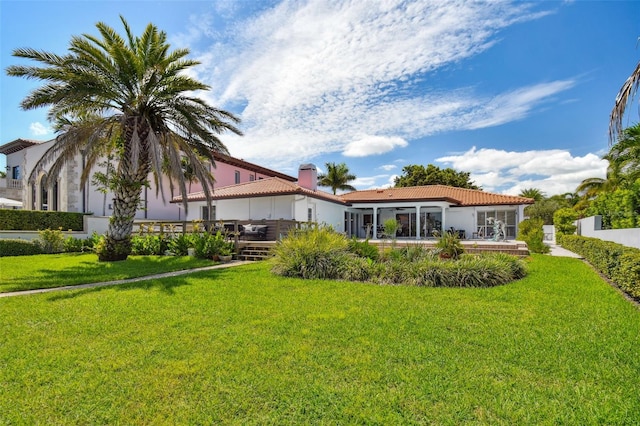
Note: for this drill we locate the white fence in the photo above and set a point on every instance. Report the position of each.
(592, 227)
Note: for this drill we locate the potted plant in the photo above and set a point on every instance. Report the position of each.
(449, 246)
(225, 254)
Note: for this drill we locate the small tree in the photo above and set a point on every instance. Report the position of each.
(563, 220)
(531, 232)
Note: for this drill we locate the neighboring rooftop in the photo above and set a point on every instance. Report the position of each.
(251, 166)
(261, 188)
(18, 145)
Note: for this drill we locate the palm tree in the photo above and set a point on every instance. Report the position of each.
(534, 193)
(132, 95)
(625, 96)
(624, 156)
(337, 177)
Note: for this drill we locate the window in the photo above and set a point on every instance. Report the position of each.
(310, 214)
(252, 178)
(237, 176)
(15, 172)
(206, 214)
(508, 217)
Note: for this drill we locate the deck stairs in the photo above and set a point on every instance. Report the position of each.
(254, 250)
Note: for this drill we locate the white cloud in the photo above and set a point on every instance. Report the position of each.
(39, 129)
(308, 78)
(372, 145)
(553, 171)
(388, 167)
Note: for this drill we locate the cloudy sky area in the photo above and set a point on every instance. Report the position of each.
(518, 94)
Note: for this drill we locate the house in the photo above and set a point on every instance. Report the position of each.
(66, 193)
(420, 211)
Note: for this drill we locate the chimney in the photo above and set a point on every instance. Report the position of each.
(308, 176)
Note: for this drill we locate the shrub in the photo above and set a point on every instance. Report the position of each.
(312, 253)
(148, 245)
(180, 244)
(15, 247)
(531, 232)
(35, 220)
(449, 245)
(563, 220)
(73, 245)
(51, 240)
(621, 264)
(363, 249)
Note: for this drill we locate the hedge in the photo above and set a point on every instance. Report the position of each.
(36, 220)
(619, 263)
(18, 247)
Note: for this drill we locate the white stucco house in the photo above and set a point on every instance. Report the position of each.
(66, 193)
(419, 210)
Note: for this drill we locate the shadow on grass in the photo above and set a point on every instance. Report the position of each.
(88, 272)
(166, 285)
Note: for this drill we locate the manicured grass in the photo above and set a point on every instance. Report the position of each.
(55, 270)
(240, 346)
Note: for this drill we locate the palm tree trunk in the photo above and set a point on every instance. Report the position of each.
(131, 179)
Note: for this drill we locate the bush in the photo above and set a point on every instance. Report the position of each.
(181, 244)
(563, 220)
(51, 240)
(148, 245)
(312, 253)
(449, 245)
(619, 263)
(15, 247)
(531, 232)
(363, 249)
(35, 220)
(324, 254)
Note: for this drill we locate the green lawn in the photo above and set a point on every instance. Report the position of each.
(56, 270)
(240, 346)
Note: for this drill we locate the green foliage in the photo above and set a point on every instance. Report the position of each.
(563, 220)
(51, 240)
(418, 175)
(391, 227)
(337, 177)
(531, 232)
(363, 249)
(321, 253)
(180, 244)
(534, 193)
(619, 209)
(620, 263)
(449, 245)
(317, 252)
(110, 250)
(149, 244)
(15, 247)
(544, 210)
(35, 220)
(207, 245)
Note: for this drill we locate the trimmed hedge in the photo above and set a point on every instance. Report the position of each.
(36, 220)
(619, 263)
(10, 247)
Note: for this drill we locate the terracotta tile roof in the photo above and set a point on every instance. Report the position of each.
(260, 188)
(277, 186)
(456, 196)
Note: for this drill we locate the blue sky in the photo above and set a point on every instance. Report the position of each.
(518, 94)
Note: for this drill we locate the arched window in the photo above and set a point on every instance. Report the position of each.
(44, 193)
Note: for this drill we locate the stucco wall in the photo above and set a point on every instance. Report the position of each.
(592, 227)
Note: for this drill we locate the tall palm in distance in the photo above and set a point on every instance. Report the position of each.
(625, 97)
(129, 96)
(534, 193)
(337, 177)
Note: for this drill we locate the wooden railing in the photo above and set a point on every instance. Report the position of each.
(275, 228)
